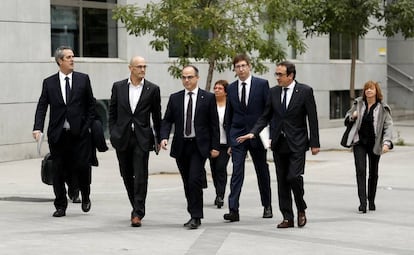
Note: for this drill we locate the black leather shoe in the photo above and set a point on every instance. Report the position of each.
(301, 219)
(232, 216)
(86, 206)
(76, 200)
(285, 224)
(219, 202)
(59, 213)
(187, 224)
(267, 212)
(362, 208)
(194, 223)
(371, 206)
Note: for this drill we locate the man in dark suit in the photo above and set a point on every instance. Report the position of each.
(133, 102)
(246, 99)
(72, 106)
(291, 108)
(193, 113)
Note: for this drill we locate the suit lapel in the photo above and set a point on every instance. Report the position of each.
(56, 84)
(295, 96)
(144, 94)
(124, 95)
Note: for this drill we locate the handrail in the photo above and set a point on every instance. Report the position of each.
(400, 83)
(401, 72)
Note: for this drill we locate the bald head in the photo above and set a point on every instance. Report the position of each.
(137, 66)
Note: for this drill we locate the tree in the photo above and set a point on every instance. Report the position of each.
(213, 30)
(354, 18)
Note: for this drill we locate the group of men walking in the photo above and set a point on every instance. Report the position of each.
(136, 127)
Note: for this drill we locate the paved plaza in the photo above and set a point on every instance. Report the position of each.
(334, 224)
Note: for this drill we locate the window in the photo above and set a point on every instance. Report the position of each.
(339, 103)
(178, 49)
(86, 26)
(340, 46)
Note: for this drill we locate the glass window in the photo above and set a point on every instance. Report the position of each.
(86, 26)
(340, 46)
(339, 103)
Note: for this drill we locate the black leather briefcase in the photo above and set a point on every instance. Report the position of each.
(47, 170)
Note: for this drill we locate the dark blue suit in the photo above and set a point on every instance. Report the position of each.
(240, 121)
(191, 154)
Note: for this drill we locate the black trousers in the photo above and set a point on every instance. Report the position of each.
(219, 170)
(361, 152)
(71, 156)
(290, 167)
(191, 166)
(133, 165)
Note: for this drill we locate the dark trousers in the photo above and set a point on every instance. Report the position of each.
(262, 172)
(290, 167)
(71, 156)
(191, 166)
(219, 170)
(360, 155)
(133, 165)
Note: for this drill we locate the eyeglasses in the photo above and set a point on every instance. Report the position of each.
(140, 66)
(190, 77)
(280, 74)
(242, 66)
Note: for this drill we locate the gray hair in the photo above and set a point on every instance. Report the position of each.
(59, 53)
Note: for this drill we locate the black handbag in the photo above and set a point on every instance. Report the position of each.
(46, 171)
(346, 134)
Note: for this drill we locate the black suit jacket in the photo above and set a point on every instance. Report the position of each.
(206, 123)
(301, 108)
(79, 111)
(121, 117)
(239, 120)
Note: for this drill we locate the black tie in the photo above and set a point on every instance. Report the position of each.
(189, 115)
(243, 95)
(67, 90)
(284, 103)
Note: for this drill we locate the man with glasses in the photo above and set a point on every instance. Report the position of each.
(133, 102)
(193, 113)
(246, 99)
(291, 108)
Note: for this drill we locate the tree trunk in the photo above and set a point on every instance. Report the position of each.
(210, 74)
(354, 50)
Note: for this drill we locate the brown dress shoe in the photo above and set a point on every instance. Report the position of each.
(286, 224)
(301, 219)
(135, 221)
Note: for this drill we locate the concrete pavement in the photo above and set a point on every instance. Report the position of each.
(334, 224)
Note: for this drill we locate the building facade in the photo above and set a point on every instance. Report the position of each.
(33, 29)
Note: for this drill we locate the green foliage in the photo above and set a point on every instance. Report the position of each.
(351, 17)
(232, 27)
(399, 18)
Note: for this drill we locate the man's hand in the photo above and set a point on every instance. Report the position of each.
(36, 134)
(315, 150)
(214, 153)
(243, 138)
(164, 143)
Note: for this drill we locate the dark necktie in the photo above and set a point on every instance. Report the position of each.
(189, 115)
(243, 95)
(284, 103)
(67, 90)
